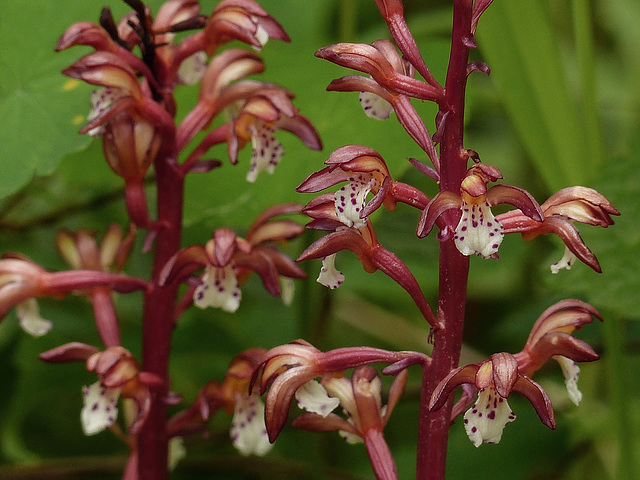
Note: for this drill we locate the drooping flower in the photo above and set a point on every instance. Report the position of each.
(477, 231)
(118, 376)
(286, 369)
(228, 260)
(494, 380)
(366, 417)
(22, 280)
(561, 210)
(346, 213)
(551, 338)
(242, 20)
(259, 117)
(248, 432)
(391, 85)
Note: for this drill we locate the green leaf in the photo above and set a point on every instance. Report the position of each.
(517, 40)
(41, 110)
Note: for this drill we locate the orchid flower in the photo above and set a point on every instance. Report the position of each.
(131, 123)
(561, 210)
(22, 280)
(551, 338)
(242, 20)
(228, 260)
(390, 87)
(346, 213)
(477, 231)
(361, 400)
(494, 380)
(257, 120)
(286, 369)
(248, 432)
(118, 376)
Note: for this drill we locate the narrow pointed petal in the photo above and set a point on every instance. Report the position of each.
(517, 197)
(183, 263)
(69, 352)
(538, 398)
(442, 202)
(449, 383)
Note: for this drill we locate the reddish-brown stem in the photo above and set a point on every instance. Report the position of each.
(433, 427)
(158, 318)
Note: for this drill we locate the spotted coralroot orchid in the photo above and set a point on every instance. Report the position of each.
(248, 431)
(494, 380)
(361, 400)
(81, 250)
(365, 171)
(242, 20)
(551, 338)
(372, 255)
(256, 110)
(391, 85)
(346, 213)
(22, 280)
(258, 118)
(130, 122)
(118, 376)
(477, 231)
(286, 369)
(561, 210)
(228, 260)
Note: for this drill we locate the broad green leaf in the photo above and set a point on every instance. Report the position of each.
(518, 43)
(41, 110)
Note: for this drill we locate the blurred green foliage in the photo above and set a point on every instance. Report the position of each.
(558, 68)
